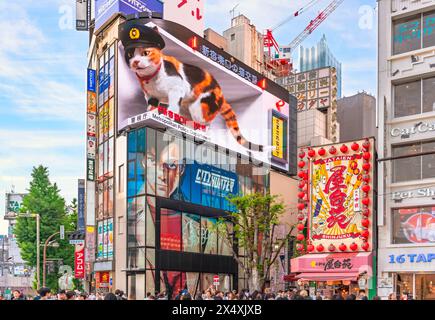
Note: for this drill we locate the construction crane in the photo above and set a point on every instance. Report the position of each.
(283, 67)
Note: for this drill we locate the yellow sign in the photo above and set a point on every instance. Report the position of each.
(278, 137)
(134, 34)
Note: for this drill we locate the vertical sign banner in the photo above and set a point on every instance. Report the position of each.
(341, 197)
(81, 205)
(82, 15)
(91, 124)
(110, 238)
(79, 261)
(186, 12)
(279, 134)
(100, 241)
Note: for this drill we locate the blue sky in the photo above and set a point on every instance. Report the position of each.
(43, 76)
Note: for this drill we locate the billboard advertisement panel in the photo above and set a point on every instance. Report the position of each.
(105, 9)
(14, 201)
(81, 205)
(188, 13)
(197, 89)
(337, 196)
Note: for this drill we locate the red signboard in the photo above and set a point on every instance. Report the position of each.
(79, 262)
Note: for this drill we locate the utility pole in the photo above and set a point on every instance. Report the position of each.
(38, 262)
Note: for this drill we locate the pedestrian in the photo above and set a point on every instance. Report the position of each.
(61, 295)
(199, 297)
(44, 293)
(319, 296)
(16, 295)
(120, 294)
(70, 295)
(92, 296)
(110, 296)
(351, 297)
(83, 296)
(376, 298)
(362, 295)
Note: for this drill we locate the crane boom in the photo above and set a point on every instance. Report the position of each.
(296, 14)
(315, 23)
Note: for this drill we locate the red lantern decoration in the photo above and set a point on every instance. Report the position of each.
(302, 155)
(332, 150)
(366, 188)
(342, 247)
(300, 237)
(301, 206)
(301, 217)
(366, 145)
(322, 152)
(366, 213)
(365, 223)
(320, 248)
(301, 174)
(344, 148)
(354, 247)
(300, 247)
(301, 184)
(366, 178)
(365, 234)
(300, 227)
(366, 246)
(355, 146)
(301, 195)
(301, 164)
(310, 248)
(366, 201)
(311, 153)
(331, 248)
(367, 156)
(366, 166)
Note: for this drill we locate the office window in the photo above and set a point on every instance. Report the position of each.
(414, 168)
(121, 177)
(429, 30)
(429, 95)
(407, 99)
(233, 37)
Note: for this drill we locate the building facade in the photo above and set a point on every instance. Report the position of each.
(406, 146)
(357, 116)
(161, 179)
(319, 56)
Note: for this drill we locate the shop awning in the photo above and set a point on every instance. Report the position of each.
(328, 276)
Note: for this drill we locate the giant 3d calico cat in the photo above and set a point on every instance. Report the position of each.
(186, 89)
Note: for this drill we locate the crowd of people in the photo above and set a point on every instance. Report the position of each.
(209, 294)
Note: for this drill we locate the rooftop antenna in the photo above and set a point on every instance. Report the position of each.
(233, 11)
(12, 189)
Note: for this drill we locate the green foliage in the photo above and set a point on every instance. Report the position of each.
(255, 220)
(44, 199)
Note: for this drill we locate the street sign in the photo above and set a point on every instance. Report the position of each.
(62, 232)
(216, 280)
(74, 242)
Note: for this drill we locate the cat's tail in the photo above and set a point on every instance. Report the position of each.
(230, 118)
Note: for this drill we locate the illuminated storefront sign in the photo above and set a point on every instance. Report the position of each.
(411, 258)
(420, 128)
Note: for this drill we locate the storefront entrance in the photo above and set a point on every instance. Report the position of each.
(418, 286)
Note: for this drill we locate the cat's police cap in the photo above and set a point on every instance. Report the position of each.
(135, 35)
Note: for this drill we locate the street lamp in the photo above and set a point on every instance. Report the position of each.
(45, 255)
(38, 218)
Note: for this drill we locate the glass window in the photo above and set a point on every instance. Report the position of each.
(193, 283)
(140, 174)
(131, 287)
(132, 145)
(208, 236)
(428, 165)
(151, 221)
(223, 245)
(151, 258)
(407, 35)
(170, 230)
(140, 221)
(429, 30)
(140, 286)
(100, 214)
(425, 286)
(172, 282)
(162, 156)
(407, 169)
(414, 225)
(429, 95)
(131, 222)
(191, 233)
(110, 199)
(150, 281)
(407, 99)
(151, 161)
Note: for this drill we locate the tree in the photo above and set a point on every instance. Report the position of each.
(252, 229)
(44, 198)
